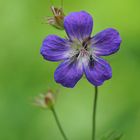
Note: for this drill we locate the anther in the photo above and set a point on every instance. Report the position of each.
(84, 44)
(77, 54)
(91, 61)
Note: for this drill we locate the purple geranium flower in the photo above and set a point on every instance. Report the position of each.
(81, 52)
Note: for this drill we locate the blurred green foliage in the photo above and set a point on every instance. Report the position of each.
(114, 135)
(24, 73)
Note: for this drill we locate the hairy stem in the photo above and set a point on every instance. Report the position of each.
(62, 4)
(59, 124)
(94, 114)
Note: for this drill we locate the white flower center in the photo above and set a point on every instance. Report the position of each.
(81, 50)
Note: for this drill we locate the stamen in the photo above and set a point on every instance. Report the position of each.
(86, 43)
(91, 58)
(77, 54)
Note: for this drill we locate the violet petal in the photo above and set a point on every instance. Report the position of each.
(68, 73)
(78, 25)
(106, 42)
(55, 48)
(97, 72)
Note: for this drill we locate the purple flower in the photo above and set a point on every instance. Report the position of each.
(81, 52)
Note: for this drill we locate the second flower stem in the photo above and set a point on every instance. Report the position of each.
(59, 124)
(94, 114)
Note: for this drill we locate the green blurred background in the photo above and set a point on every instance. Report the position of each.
(24, 74)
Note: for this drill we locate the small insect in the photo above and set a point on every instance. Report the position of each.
(58, 17)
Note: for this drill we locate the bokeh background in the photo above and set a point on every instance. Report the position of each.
(24, 74)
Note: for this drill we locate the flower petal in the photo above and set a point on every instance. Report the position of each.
(106, 42)
(98, 71)
(55, 48)
(78, 25)
(68, 73)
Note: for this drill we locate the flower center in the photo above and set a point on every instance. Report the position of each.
(83, 52)
(82, 49)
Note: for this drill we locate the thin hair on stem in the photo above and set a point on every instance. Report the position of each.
(62, 4)
(94, 114)
(51, 2)
(59, 124)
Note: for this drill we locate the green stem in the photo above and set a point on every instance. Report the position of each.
(62, 4)
(58, 123)
(94, 114)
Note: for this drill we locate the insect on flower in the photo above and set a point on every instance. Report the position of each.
(58, 17)
(81, 53)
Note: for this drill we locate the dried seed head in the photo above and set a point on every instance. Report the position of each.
(46, 100)
(58, 18)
